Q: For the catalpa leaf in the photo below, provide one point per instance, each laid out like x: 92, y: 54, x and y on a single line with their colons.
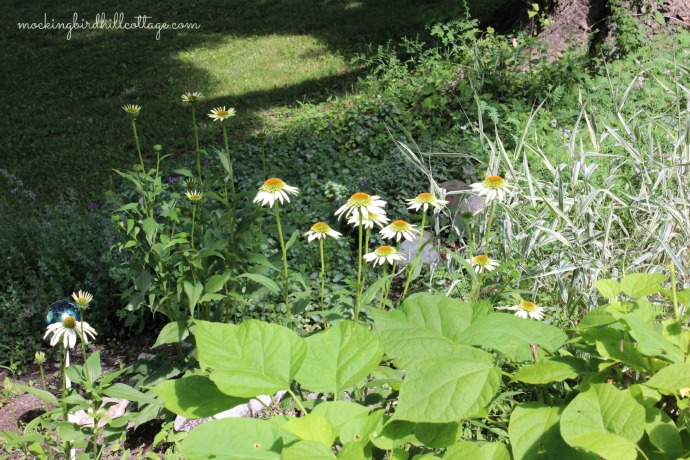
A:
x: 254, y: 358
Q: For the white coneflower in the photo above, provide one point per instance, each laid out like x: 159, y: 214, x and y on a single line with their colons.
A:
x: 383, y: 254
x: 493, y: 187
x: 273, y: 189
x: 192, y: 98
x: 482, y: 263
x: 369, y: 220
x: 364, y: 203
x: 131, y: 109
x: 194, y: 196
x: 82, y: 299
x: 526, y: 309
x: 69, y: 330
x: 424, y: 200
x: 321, y: 230
x: 397, y: 230
x: 221, y: 113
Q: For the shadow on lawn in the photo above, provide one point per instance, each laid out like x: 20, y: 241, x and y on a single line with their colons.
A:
x: 63, y: 126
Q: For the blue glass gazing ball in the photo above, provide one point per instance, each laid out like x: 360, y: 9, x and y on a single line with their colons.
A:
x: 60, y: 310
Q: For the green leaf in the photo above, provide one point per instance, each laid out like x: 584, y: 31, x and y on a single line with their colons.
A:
x: 495, y: 451
x: 395, y: 433
x: 233, y: 439
x: 639, y: 285
x: 437, y: 435
x: 40, y: 394
x: 312, y: 427
x: 254, y: 358
x: 122, y: 391
x: 70, y: 432
x: 150, y: 226
x: 194, y: 396
x: 649, y: 341
x: 513, y: 336
x: 663, y: 434
x: 341, y: 413
x: 93, y: 366
x: 263, y: 280
x: 424, y: 327
x: 671, y: 378
x: 339, y: 357
x: 360, y: 430
x: 463, y: 449
x: 216, y: 282
x: 193, y: 291
x: 534, y: 432
x: 174, y: 332
x: 608, y: 288
x: 550, y: 370
x: 604, y: 420
x: 307, y: 450
x: 442, y: 390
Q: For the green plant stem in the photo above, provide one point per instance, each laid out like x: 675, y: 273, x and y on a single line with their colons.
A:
x: 488, y: 228
x: 359, y: 269
x: 365, y: 267
x: 227, y: 152
x: 43, y: 381
x: 297, y: 401
x: 193, y: 221
x: 81, y: 333
x: 412, y: 265
x: 63, y: 388
x: 136, y: 142
x: 323, y: 282
x: 383, y: 289
x: 285, y: 266
x: 196, y: 143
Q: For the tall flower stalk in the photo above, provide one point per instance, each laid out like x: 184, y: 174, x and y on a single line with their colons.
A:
x: 360, y: 206
x: 273, y: 192
x: 319, y: 231
x: 194, y: 197
x: 221, y: 114
x: 423, y: 201
x: 192, y: 99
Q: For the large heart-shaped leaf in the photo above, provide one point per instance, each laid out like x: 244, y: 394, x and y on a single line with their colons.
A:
x: 604, y: 420
x: 442, y: 390
x: 339, y: 357
x: 534, y: 432
x: 341, y: 413
x: 671, y: 378
x: 307, y: 450
x: 233, y: 439
x: 312, y: 427
x: 549, y: 370
x: 424, y: 327
x: 195, y: 396
x: 254, y: 358
x: 513, y: 336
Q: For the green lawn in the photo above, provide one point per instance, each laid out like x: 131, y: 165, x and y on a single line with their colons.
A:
x: 63, y: 127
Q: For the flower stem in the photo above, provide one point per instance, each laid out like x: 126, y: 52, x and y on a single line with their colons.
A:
x: 81, y: 333
x: 412, y: 265
x: 297, y: 401
x: 285, y: 267
x: 227, y: 152
x: 323, y: 281
x: 43, y: 381
x: 383, y: 288
x: 193, y: 221
x: 359, y: 269
x: 63, y: 368
x: 136, y: 141
x: 488, y: 227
